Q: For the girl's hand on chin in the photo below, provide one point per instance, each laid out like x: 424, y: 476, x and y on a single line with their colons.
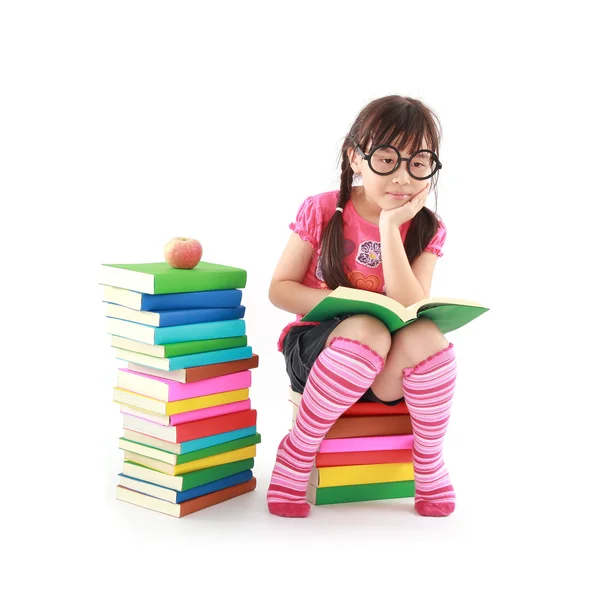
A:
x: 402, y: 214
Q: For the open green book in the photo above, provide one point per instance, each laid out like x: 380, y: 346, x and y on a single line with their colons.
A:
x: 447, y: 313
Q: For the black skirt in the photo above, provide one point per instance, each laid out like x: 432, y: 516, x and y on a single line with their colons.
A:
x: 301, y: 347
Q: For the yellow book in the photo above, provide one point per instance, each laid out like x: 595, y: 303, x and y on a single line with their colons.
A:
x: 159, y: 407
x: 189, y: 457
x: 360, y: 474
x: 203, y: 463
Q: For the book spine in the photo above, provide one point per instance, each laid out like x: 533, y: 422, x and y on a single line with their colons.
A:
x: 362, y: 493
x: 390, y: 442
x: 214, y: 426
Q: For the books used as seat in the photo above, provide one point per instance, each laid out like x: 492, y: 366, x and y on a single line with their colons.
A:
x: 447, y: 313
x: 360, y: 493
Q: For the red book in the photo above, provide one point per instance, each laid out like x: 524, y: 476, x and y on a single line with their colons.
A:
x: 376, y: 457
x: 374, y: 408
x: 193, y: 430
x: 367, y: 409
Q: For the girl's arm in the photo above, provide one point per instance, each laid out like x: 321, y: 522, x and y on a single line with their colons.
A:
x: 286, y: 290
x: 401, y: 283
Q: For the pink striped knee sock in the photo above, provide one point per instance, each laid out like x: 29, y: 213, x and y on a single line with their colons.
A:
x: 338, y: 378
x: 428, y: 390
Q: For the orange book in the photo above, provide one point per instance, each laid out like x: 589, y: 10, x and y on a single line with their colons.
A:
x: 189, y: 506
x: 375, y: 457
x: 351, y: 427
x: 371, y: 409
x: 193, y: 374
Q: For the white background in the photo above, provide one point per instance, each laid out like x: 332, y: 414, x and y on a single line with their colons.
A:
x: 123, y: 124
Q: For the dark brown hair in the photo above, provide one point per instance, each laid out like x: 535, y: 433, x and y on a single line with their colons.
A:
x: 382, y: 121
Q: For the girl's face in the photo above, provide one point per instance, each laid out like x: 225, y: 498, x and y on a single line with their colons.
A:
x: 382, y: 190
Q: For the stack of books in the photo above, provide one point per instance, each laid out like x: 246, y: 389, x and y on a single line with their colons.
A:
x: 190, y: 433
x: 366, y: 455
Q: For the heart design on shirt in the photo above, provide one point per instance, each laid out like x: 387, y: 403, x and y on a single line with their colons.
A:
x: 361, y: 281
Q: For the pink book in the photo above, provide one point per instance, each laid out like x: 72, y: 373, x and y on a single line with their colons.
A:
x: 196, y: 415
x: 368, y: 444
x: 168, y: 390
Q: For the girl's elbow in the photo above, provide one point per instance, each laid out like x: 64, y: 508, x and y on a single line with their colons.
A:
x: 273, y: 292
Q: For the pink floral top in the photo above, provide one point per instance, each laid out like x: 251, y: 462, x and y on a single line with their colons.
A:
x: 362, y: 246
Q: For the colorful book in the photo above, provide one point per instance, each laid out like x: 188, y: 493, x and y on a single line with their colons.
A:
x: 373, y: 457
x: 361, y: 474
x: 203, y: 463
x: 188, y: 507
x: 355, y: 427
x: 191, y: 431
x: 179, y: 348
x: 192, y: 445
x: 192, y: 374
x: 169, y: 391
x: 360, y: 444
x: 187, y: 417
x: 161, y: 278
x: 372, y: 409
x: 180, y: 459
x: 187, y: 361
x: 363, y: 409
x: 161, y: 407
x: 187, y: 481
x: 360, y: 493
x: 177, y: 333
x: 157, y: 491
x: 447, y: 313
x: 169, y: 318
x: 140, y: 301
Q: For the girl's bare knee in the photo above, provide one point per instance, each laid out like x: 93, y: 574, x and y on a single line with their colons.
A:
x: 417, y: 341
x: 367, y: 330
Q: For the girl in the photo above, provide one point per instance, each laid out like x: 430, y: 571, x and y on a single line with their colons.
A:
x: 377, y: 236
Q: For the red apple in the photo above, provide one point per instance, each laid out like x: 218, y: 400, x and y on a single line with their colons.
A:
x: 183, y: 253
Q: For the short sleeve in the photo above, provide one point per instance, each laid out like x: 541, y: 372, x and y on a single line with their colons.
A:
x: 308, y: 222
x: 437, y: 242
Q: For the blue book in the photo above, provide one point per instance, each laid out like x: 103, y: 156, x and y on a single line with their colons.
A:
x: 169, y: 318
x: 215, y: 440
x: 177, y: 333
x: 158, y: 491
x: 141, y: 301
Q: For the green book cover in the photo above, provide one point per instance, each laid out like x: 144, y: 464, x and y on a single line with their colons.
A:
x: 183, y: 348
x: 193, y: 479
x: 161, y: 278
x: 180, y: 459
x: 361, y: 493
x: 244, y: 442
x: 447, y: 313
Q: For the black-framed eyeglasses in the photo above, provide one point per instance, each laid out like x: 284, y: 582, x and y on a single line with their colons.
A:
x: 386, y: 159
